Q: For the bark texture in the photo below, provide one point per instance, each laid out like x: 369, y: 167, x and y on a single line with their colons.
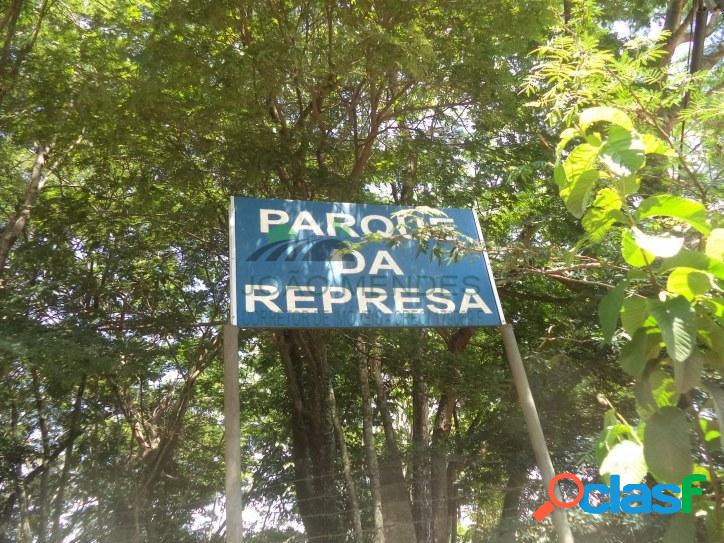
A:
x: 313, y: 435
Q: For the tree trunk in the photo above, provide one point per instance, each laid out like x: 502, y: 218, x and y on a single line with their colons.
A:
x: 17, y: 221
x: 369, y: 443
x: 313, y: 439
x: 453, y: 502
x: 567, y: 10
x: 508, y: 522
x: 74, y: 428
x: 43, y: 499
x: 347, y: 470
x: 397, y: 509
x: 697, y: 48
x: 421, y: 510
x: 439, y: 476
x: 439, y: 468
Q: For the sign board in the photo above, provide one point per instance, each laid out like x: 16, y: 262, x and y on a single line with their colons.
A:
x: 297, y: 264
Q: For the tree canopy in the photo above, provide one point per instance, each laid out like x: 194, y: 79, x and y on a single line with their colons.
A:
x: 586, y: 134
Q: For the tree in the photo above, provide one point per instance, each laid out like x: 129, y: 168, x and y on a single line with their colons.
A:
x: 127, y: 125
x: 612, y: 179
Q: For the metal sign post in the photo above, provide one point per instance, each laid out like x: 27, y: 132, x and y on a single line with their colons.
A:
x: 535, y: 430
x: 232, y: 431
x: 527, y: 405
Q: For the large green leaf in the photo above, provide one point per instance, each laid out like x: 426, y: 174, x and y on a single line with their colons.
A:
x: 577, y: 194
x: 654, y: 390
x: 689, y: 211
x: 715, y: 245
x: 713, y: 335
x: 582, y: 159
x: 612, y: 115
x: 644, y: 346
x: 687, y: 374
x: 598, y: 223
x: 632, y: 253
x: 577, y: 178
x: 634, y: 311
x: 609, y: 308
x: 663, y: 389
x: 603, y: 214
x: 689, y: 282
x: 559, y: 176
x: 693, y: 259
x: 626, y: 459
x: 623, y: 151
x: 656, y: 146
x: 675, y: 319
x: 667, y: 446
x: 715, y: 305
x: 627, y: 185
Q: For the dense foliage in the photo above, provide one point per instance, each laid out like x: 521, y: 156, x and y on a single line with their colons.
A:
x: 126, y: 125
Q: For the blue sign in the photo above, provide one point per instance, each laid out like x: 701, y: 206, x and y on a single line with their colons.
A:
x: 297, y: 264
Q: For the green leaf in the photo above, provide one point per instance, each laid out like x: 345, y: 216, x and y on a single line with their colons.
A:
x: 598, y: 223
x: 610, y: 419
x: 644, y: 346
x: 577, y: 178
x: 559, y: 176
x: 603, y: 214
x: 627, y: 185
x: 594, y: 138
x: 623, y: 152
x: 687, y: 374
x: 581, y: 160
x: 610, y: 436
x: 653, y: 390
x: 682, y: 529
x: 663, y: 246
x: 710, y: 428
x: 577, y: 194
x: 608, y: 199
x: 626, y: 459
x: 613, y: 432
x: 713, y: 335
x: 656, y: 146
x: 716, y: 393
x: 632, y: 253
x: 693, y: 259
x: 633, y: 313
x: 675, y: 319
x: 667, y: 446
x: 689, y: 282
x: 715, y: 245
x: 594, y: 115
x: 716, y: 306
x: 663, y: 389
x: 689, y: 211
x: 609, y: 308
